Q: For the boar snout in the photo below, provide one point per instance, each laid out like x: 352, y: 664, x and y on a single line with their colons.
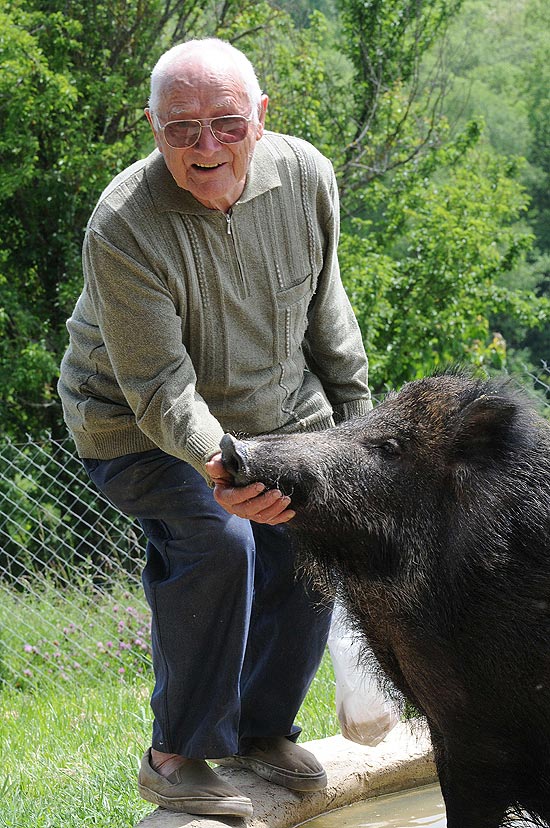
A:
x: 234, y: 455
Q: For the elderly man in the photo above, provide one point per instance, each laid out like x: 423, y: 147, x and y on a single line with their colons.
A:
x: 212, y: 302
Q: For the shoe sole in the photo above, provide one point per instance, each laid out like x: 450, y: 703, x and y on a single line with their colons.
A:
x: 240, y: 807
x: 279, y: 776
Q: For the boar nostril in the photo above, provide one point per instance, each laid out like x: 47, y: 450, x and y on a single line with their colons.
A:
x: 233, y: 455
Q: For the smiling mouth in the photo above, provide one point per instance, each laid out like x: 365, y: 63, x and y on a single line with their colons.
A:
x: 207, y: 166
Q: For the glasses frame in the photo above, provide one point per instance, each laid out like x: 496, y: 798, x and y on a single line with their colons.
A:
x: 203, y: 123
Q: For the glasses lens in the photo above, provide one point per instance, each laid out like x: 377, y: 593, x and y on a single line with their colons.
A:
x: 181, y: 133
x: 230, y: 129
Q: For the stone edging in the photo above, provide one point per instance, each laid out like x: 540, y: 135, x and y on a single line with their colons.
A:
x: 402, y: 760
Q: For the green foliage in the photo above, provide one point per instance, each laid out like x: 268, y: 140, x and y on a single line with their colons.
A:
x: 30, y: 90
x: 537, y: 87
x: 423, y: 277
x: 395, y: 118
x: 497, y: 68
x: 484, y: 59
x: 25, y: 74
x: 431, y: 230
x: 309, y: 82
x: 302, y: 70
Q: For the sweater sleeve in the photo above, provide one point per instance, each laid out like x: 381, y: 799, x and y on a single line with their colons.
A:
x: 333, y: 345
x: 142, y: 336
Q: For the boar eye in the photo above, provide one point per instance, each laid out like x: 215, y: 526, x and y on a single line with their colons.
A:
x: 390, y: 448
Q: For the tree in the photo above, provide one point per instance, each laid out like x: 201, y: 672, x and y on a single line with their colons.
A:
x: 497, y: 70
x: 30, y: 93
x: 395, y: 113
x: 424, y: 280
x: 537, y: 88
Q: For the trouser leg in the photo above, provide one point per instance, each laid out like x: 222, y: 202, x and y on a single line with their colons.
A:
x: 199, y: 584
x: 200, y: 608
x: 287, y: 638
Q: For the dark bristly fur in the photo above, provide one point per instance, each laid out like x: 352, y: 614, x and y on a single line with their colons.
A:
x: 432, y: 516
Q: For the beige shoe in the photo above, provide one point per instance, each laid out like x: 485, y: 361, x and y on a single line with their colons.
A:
x: 283, y: 762
x: 194, y: 788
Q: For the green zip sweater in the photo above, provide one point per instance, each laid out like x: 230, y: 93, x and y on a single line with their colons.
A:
x: 193, y: 322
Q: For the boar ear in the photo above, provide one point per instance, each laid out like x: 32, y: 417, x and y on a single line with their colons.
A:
x: 483, y: 428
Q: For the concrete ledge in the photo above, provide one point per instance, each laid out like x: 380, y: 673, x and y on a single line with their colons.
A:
x: 402, y: 760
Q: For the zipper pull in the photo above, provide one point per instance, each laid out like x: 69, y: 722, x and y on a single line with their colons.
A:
x: 228, y: 220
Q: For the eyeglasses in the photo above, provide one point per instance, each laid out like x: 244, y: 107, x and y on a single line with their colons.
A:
x: 227, y: 129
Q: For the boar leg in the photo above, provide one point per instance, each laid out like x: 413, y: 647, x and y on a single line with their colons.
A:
x: 469, y: 800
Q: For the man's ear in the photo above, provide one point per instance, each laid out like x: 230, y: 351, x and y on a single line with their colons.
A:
x: 264, y: 100
x: 152, y: 125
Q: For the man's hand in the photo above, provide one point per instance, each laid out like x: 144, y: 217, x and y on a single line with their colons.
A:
x: 251, y: 502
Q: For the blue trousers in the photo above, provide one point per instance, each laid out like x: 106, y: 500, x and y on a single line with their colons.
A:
x: 237, y: 636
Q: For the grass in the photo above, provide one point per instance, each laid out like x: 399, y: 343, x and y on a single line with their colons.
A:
x: 70, y: 758
x: 56, y: 636
x: 71, y: 739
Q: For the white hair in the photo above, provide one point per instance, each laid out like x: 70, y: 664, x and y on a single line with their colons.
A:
x: 180, y: 53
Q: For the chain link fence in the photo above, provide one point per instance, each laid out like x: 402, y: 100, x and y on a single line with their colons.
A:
x: 71, y: 603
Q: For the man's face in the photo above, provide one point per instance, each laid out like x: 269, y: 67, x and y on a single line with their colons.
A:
x: 214, y: 173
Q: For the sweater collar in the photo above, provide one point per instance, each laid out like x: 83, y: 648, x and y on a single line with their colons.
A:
x: 167, y: 196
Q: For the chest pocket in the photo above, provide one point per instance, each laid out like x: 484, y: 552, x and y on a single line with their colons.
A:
x: 292, y: 305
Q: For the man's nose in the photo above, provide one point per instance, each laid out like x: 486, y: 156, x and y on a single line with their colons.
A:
x: 207, y: 142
